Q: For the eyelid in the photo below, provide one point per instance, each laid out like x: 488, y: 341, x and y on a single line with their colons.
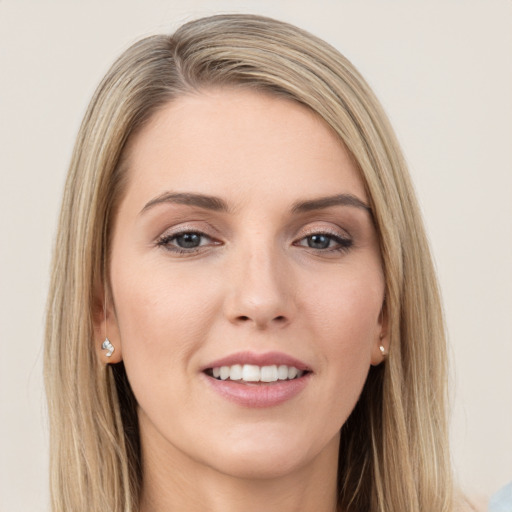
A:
x: 340, y: 237
x: 198, y: 226
x: 167, y: 238
x: 325, y: 230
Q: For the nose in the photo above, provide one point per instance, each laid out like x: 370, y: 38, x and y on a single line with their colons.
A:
x: 260, y: 290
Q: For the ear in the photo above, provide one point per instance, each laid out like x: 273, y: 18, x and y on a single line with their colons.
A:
x: 380, y: 348
x: 106, y: 328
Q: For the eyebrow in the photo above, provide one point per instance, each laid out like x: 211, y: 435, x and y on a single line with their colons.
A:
x: 327, y: 202
x: 202, y: 201
x: 219, y: 205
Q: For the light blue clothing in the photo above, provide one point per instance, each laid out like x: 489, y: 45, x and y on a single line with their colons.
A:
x: 502, y: 500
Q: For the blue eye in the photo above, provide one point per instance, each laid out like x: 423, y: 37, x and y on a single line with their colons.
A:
x: 319, y: 241
x: 187, y: 241
x: 325, y: 242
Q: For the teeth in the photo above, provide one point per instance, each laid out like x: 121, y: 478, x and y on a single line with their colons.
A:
x: 253, y: 373
x: 235, y: 372
x: 268, y: 374
x: 282, y: 372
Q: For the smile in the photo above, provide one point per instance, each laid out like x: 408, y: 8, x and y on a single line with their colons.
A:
x: 255, y: 373
x: 254, y: 380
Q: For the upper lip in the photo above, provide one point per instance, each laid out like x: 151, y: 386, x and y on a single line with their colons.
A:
x: 263, y: 359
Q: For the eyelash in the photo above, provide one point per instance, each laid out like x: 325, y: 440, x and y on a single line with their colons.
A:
x: 343, y: 244
x: 165, y: 241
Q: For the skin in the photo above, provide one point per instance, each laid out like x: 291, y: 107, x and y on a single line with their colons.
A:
x: 254, y: 284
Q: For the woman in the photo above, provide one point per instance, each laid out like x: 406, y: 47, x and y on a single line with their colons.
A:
x: 243, y: 311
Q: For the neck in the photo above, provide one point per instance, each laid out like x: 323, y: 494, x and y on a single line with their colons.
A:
x: 173, y: 481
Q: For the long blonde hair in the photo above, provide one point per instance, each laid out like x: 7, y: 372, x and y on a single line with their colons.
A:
x: 393, y: 453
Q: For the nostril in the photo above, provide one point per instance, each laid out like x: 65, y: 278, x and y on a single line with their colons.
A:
x: 261, y: 322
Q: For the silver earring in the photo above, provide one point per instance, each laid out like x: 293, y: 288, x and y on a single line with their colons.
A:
x: 106, y: 345
x: 383, y: 351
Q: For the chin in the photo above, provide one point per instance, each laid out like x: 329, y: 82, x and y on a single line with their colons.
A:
x: 268, y: 456
x: 260, y: 465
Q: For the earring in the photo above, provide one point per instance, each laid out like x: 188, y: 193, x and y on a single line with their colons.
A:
x: 383, y: 351
x: 106, y: 345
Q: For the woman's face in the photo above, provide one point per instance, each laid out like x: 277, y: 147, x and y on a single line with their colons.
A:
x: 247, y: 284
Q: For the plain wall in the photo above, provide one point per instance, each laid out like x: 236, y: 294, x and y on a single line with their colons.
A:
x: 442, y: 69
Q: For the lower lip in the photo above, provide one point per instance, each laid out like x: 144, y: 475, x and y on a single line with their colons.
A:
x: 258, y: 395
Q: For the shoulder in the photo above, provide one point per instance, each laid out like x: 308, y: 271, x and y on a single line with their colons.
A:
x: 502, y: 500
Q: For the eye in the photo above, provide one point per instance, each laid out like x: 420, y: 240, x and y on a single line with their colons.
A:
x: 185, y: 241
x: 319, y: 241
x: 189, y: 240
x: 325, y: 242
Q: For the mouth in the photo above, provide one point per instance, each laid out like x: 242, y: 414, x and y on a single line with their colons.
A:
x: 254, y: 380
x: 251, y: 373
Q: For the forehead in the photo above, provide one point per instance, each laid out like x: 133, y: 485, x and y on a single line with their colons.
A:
x: 239, y: 144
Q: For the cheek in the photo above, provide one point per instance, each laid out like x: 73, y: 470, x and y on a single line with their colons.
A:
x: 163, y: 317
x: 345, y: 319
x: 348, y: 305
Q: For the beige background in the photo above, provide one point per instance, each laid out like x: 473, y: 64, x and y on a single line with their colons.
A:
x: 443, y: 70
